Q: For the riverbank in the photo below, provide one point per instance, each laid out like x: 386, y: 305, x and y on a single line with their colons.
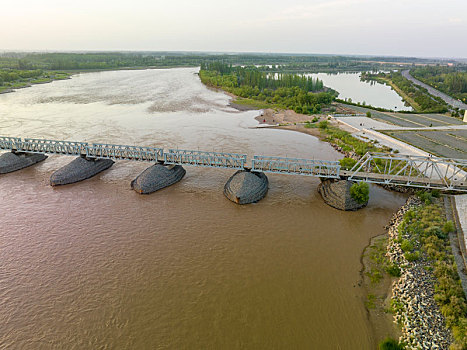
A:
x: 427, y: 300
x: 25, y: 83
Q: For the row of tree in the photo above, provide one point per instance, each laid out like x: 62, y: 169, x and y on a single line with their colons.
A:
x: 450, y: 80
x: 253, y: 76
x: 291, y: 91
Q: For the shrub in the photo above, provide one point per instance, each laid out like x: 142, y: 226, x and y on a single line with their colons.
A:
x: 448, y: 227
x: 360, y: 192
x: 390, y: 344
x: 425, y: 196
x: 412, y: 256
x: 314, y: 120
x: 347, y: 163
x: 393, y: 270
x: 323, y: 124
x: 406, y: 246
x: 368, y: 114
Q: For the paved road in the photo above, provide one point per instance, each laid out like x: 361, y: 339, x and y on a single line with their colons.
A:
x: 448, y: 99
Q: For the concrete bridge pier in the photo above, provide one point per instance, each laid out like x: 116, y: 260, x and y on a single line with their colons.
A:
x: 13, y: 161
x: 245, y: 187
x: 79, y: 169
x: 336, y: 193
x: 156, y: 177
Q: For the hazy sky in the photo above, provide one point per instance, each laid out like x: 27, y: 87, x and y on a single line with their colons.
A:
x: 380, y: 27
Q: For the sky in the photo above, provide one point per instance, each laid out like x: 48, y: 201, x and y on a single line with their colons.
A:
x: 421, y: 28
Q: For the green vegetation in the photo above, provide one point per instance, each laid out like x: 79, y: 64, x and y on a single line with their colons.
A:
x: 418, y: 97
x: 360, y: 191
x: 450, y: 80
x: 12, y: 78
x: 347, y: 163
x: 371, y: 301
x: 289, y: 91
x: 267, y: 62
x: 390, y: 344
x: 429, y: 230
x: 347, y: 142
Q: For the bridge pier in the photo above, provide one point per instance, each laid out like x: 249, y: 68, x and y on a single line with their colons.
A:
x: 245, y: 187
x: 156, y: 177
x: 13, y: 161
x: 79, y: 169
x: 336, y: 193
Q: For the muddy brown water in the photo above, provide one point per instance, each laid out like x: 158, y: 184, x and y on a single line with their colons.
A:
x: 95, y: 265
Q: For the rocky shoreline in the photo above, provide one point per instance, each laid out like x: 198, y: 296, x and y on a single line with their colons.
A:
x: 415, y: 310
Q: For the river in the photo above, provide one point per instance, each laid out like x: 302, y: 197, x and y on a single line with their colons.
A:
x: 95, y: 265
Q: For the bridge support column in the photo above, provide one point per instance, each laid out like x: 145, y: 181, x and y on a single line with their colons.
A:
x: 12, y: 161
x: 336, y: 193
x: 78, y: 170
x: 157, y: 177
x: 245, y: 187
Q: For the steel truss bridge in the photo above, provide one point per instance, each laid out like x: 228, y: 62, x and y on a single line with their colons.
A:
x: 379, y: 168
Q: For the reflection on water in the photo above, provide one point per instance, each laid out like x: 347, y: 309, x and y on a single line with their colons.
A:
x: 95, y: 265
x: 349, y: 85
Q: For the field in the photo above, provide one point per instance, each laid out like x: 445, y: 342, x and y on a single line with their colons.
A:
x: 442, y: 143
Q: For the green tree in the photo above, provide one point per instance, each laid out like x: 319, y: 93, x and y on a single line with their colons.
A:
x: 390, y: 344
x: 360, y: 192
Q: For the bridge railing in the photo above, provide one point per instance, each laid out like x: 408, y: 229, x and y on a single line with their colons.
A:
x: 298, y: 166
x: 52, y: 146
x: 205, y: 159
x: 413, y: 171
x: 108, y: 151
x: 9, y: 143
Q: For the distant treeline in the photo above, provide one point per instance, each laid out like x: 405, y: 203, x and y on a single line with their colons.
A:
x: 291, y: 91
x: 450, y: 80
x: 277, y: 62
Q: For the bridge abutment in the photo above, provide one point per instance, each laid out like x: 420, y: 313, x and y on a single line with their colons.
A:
x: 336, y: 193
x: 157, y: 177
x: 13, y: 161
x: 245, y: 187
x: 79, y: 169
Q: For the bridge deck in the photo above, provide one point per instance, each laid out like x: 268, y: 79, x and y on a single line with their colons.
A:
x: 380, y: 168
x: 297, y: 166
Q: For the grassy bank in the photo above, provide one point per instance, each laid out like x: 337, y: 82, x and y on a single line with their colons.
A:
x: 418, y: 97
x: 344, y: 139
x: 401, y: 93
x: 420, y: 245
x: 16, y: 79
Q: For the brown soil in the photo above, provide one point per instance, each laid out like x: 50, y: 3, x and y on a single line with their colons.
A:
x: 378, y: 295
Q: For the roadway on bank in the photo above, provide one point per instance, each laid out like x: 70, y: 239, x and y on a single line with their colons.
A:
x: 448, y: 99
